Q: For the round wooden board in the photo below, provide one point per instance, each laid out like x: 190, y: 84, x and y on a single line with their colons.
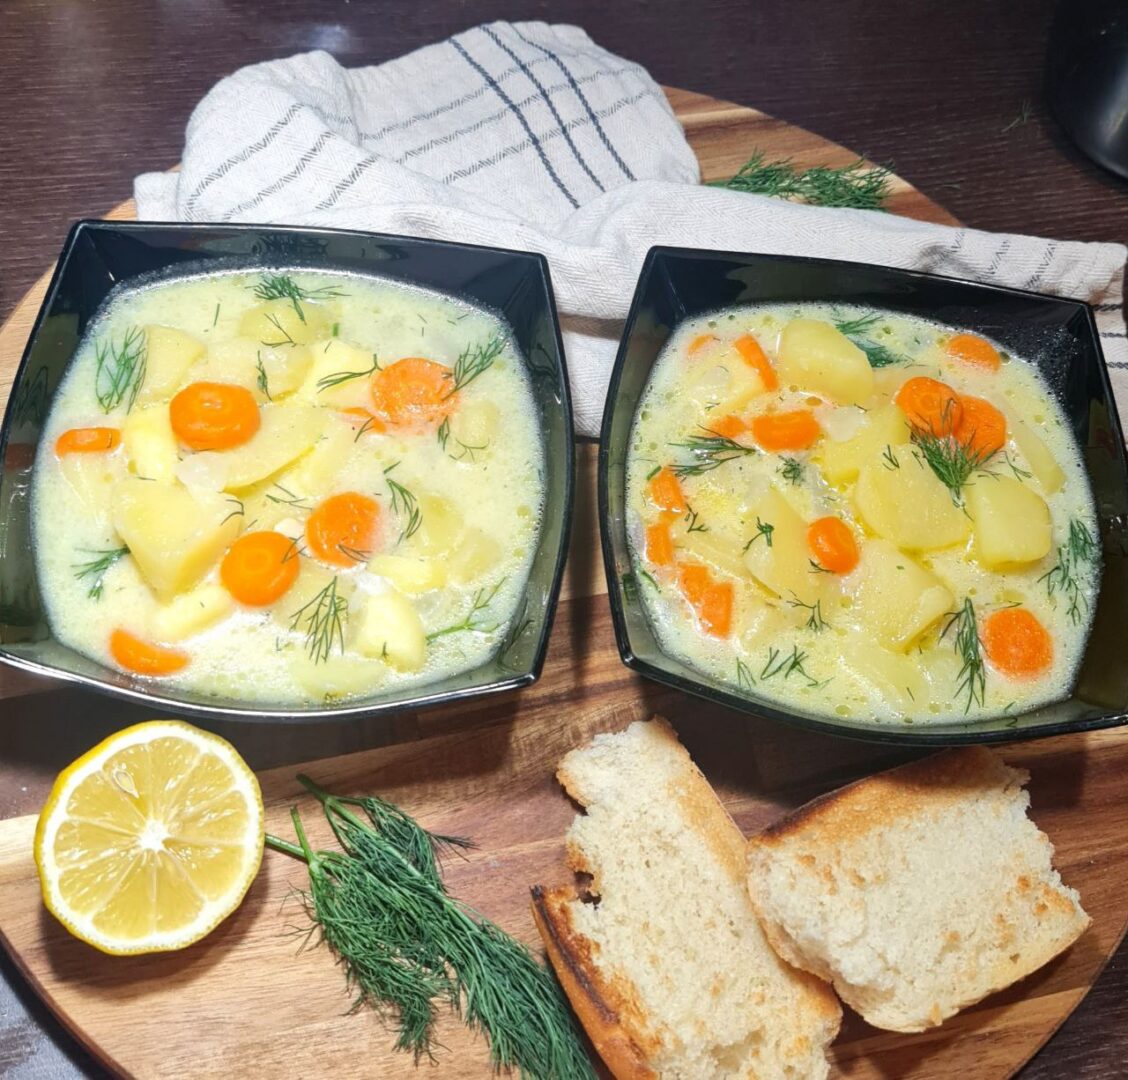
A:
x: 247, y: 1002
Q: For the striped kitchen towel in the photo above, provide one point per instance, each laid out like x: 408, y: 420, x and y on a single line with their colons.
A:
x: 530, y: 136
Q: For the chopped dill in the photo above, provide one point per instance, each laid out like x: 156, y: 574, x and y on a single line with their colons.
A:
x: 889, y: 459
x: 951, y: 461
x: 791, y: 470
x: 120, y: 370
x: 816, y: 569
x: 97, y: 568
x: 465, y: 450
x: 764, y: 529
x: 857, y: 185
x: 472, y: 622
x: 287, y: 497
x: 861, y: 325
x: 691, y: 519
x: 650, y: 580
x: 744, y: 678
x: 324, y: 617
x: 286, y: 339
x: 284, y: 287
x: 263, y: 381
x: 1064, y: 577
x: 708, y: 452
x: 815, y: 620
x: 789, y: 665
x: 404, y: 503
x: 973, y: 673
x: 338, y: 377
x: 239, y: 511
x: 215, y: 317
x: 654, y: 472
x: 474, y: 360
x: 856, y: 330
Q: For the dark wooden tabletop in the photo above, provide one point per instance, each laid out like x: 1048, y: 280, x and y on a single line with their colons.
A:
x: 949, y: 94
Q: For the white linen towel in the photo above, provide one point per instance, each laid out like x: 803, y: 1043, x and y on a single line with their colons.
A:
x: 530, y: 136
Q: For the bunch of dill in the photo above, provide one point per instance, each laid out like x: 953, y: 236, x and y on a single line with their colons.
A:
x: 858, y: 185
x: 409, y: 948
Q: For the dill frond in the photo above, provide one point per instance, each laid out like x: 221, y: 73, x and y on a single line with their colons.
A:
x: 324, y: 617
x: 815, y: 620
x: 791, y: 470
x: 96, y: 569
x: 120, y: 370
x: 764, y: 529
x: 744, y: 678
x: 789, y: 665
x: 466, y: 450
x: 952, y: 462
x: 287, y: 498
x: 284, y: 287
x: 473, y: 622
x: 474, y: 360
x: 1064, y: 576
x: 286, y: 338
x: 857, y: 330
x: 857, y: 185
x: 708, y: 452
x: 338, y: 377
x: 263, y: 381
x: 404, y: 503
x: 973, y: 672
x: 692, y: 522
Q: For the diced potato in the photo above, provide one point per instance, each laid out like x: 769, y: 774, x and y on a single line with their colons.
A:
x: 390, y: 628
x: 716, y: 549
x: 476, y: 553
x: 840, y: 462
x: 409, y: 573
x: 1038, y: 457
x: 895, y: 598
x: 722, y: 382
x: 908, y: 504
x: 759, y: 623
x: 286, y: 432
x: 316, y: 472
x: 1012, y: 522
x: 174, y: 535
x: 313, y: 578
x: 279, y: 322
x: 335, y: 357
x: 898, y: 678
x: 815, y: 356
x: 150, y: 445
x: 234, y: 362
x: 472, y: 429
x: 91, y: 477
x: 190, y: 612
x: 784, y: 565
x: 169, y: 354
x: 336, y: 676
x: 441, y: 527
x: 283, y: 370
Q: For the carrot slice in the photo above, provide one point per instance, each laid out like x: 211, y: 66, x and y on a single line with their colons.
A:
x: 974, y: 350
x: 832, y: 544
x: 213, y: 416
x: 930, y: 406
x: 757, y: 359
x: 87, y: 440
x: 728, y: 427
x: 796, y: 430
x: 659, y: 545
x: 981, y: 428
x: 413, y: 391
x: 342, y: 529
x: 1016, y: 643
x: 694, y: 580
x: 666, y: 491
x: 143, y: 657
x: 259, y: 567
x: 712, y: 600
x: 362, y: 418
x: 699, y: 343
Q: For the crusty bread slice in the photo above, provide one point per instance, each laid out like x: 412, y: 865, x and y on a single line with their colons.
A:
x: 669, y: 971
x: 917, y: 891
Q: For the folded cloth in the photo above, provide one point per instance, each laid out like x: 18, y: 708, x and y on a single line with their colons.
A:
x: 530, y: 136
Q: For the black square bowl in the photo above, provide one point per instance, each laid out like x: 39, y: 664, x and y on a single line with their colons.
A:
x: 99, y: 255
x: 1059, y: 336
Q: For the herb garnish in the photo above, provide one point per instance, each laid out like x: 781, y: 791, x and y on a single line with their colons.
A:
x: 791, y: 470
x: 405, y: 503
x: 408, y: 946
x: 472, y: 623
x: 97, y: 568
x: 858, y: 185
x: 691, y: 519
x: 792, y: 664
x: 474, y: 361
x: 708, y: 452
x: 815, y: 621
x: 889, y: 459
x: 339, y: 377
x: 973, y: 673
x: 444, y: 436
x: 282, y: 286
x: 287, y: 498
x: 324, y: 617
x: 744, y: 678
x: 764, y: 529
x: 856, y: 330
x: 952, y: 462
x: 120, y: 370
x: 263, y: 381
x: 1063, y: 577
x: 286, y: 338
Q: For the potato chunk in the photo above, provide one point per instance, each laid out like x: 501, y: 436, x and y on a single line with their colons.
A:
x: 390, y: 628
x: 174, y: 535
x: 331, y: 359
x: 472, y: 429
x: 150, y: 445
x: 285, y: 433
x: 441, y: 527
x: 190, y: 613
x: 410, y: 574
x: 282, y: 370
x: 841, y: 462
x: 815, y: 356
x: 1042, y: 464
x: 896, y: 677
x: 233, y: 362
x: 779, y: 558
x: 908, y: 504
x: 896, y: 599
x: 1012, y: 523
x: 476, y: 554
x: 169, y: 354
x: 279, y: 322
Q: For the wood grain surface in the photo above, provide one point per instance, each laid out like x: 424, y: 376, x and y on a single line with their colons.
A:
x: 950, y: 94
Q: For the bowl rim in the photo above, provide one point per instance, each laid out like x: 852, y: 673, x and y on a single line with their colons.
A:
x: 908, y: 734
x: 249, y: 713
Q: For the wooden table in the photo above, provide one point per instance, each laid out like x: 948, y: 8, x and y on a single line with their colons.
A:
x: 951, y: 96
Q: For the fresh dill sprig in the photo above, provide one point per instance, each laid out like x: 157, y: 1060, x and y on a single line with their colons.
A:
x: 324, y: 617
x: 816, y: 569
x: 708, y: 452
x: 952, y: 461
x: 815, y: 620
x: 339, y: 377
x: 764, y: 529
x: 408, y: 946
x: 120, y: 370
x: 692, y: 521
x: 1064, y: 577
x: 404, y: 503
x: 472, y: 622
x: 96, y: 569
x: 789, y: 665
x: 744, y: 677
x: 889, y: 459
x: 287, y: 497
x: 973, y: 672
x: 284, y: 287
x: 263, y: 380
x: 791, y: 470
x: 286, y: 339
x: 466, y: 450
x: 239, y: 510
x: 857, y: 331
x: 860, y: 325
x: 858, y: 185
x: 474, y: 360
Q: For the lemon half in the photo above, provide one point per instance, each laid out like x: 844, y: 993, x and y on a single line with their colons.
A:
x: 151, y: 839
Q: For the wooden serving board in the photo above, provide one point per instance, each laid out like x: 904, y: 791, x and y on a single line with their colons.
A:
x: 249, y: 1002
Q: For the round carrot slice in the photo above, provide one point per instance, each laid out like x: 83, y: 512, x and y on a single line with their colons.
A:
x: 728, y: 427
x: 413, y: 391
x: 930, y: 406
x: 1016, y: 643
x: 757, y: 359
x: 666, y: 491
x: 362, y: 420
x: 981, y: 427
x: 796, y: 430
x: 213, y: 416
x: 342, y: 529
x: 259, y: 567
x: 699, y: 343
x: 832, y: 545
x: 974, y: 350
x: 143, y: 657
x: 87, y: 440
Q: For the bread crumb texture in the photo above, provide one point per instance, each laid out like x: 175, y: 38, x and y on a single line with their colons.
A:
x: 672, y: 957
x: 917, y: 891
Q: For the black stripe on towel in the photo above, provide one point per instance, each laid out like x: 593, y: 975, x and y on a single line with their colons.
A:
x: 520, y: 116
x: 1107, y: 307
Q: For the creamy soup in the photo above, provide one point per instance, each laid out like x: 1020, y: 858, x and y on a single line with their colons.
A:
x: 288, y: 487
x: 861, y: 514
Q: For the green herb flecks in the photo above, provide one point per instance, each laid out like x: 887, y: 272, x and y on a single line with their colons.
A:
x: 693, y: 523
x: 952, y: 462
x: 285, y: 339
x: 973, y: 671
x: 96, y: 569
x: 763, y: 529
x: 120, y: 370
x: 791, y: 664
x: 862, y: 324
x: 815, y: 620
x: 889, y: 459
x: 338, y: 377
x: 404, y: 503
x: 1079, y: 551
x: 411, y: 949
x: 791, y: 470
x: 858, y: 185
x: 708, y: 452
x: 473, y: 622
x: 466, y: 451
x: 474, y: 360
x: 744, y: 678
x: 263, y: 380
x: 281, y: 494
x: 857, y: 330
x: 322, y: 620
x: 284, y: 287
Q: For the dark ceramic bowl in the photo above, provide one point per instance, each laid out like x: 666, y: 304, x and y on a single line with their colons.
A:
x: 99, y: 255
x: 1058, y: 335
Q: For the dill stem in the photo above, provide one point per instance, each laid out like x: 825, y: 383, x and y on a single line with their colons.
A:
x: 285, y: 847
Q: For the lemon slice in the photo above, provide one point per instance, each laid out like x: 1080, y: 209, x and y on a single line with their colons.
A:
x: 151, y: 839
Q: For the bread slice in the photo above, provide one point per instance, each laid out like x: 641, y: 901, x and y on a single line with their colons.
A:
x: 917, y: 891
x: 669, y: 970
